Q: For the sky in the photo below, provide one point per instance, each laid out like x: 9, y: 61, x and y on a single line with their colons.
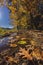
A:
x: 4, y: 17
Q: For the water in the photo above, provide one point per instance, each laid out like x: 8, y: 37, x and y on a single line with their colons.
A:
x: 4, y: 41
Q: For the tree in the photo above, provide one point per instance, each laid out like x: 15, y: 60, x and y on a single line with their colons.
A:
x: 21, y: 11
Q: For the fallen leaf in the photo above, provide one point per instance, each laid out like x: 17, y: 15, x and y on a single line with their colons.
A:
x: 25, y: 54
x: 11, y: 59
x: 22, y: 42
x: 13, y: 45
x: 23, y: 38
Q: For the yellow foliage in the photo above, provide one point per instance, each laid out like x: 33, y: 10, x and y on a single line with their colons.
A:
x: 20, y: 11
x: 22, y: 42
x: 12, y: 9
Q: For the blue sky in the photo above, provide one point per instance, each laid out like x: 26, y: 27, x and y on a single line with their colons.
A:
x: 4, y: 17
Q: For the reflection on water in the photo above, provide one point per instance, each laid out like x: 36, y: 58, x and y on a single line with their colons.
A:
x: 4, y: 41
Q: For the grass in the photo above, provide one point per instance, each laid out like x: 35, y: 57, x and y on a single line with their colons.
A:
x: 3, y: 31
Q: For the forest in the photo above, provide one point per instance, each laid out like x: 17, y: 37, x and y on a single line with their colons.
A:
x: 23, y: 43
x: 27, y: 14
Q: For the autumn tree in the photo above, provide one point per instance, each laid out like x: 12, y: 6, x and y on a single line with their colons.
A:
x: 25, y: 13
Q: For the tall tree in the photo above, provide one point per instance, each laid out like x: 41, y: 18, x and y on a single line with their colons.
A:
x: 24, y: 13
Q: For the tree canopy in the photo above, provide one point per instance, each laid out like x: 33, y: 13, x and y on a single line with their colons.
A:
x: 26, y: 14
